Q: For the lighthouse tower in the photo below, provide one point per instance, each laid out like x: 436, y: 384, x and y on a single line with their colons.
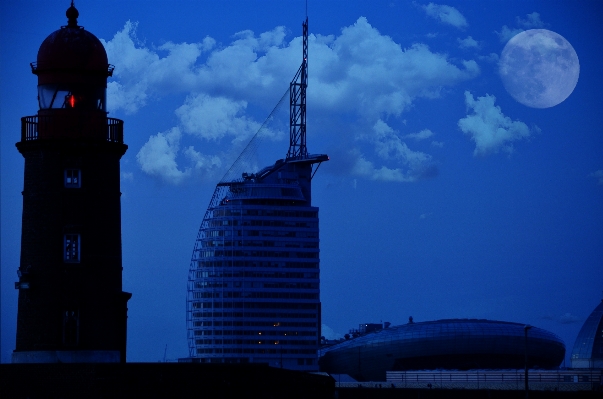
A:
x: 71, y: 304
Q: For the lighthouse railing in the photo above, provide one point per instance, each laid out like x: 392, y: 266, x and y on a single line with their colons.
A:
x: 66, y: 127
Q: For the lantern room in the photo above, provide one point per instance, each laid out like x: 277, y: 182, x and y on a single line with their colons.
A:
x: 72, y: 70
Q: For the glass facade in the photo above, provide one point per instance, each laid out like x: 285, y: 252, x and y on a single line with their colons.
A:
x: 588, y: 348
x: 461, y: 344
x: 253, y: 294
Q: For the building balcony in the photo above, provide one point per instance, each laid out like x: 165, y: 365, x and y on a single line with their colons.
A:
x: 252, y: 190
x: 70, y: 125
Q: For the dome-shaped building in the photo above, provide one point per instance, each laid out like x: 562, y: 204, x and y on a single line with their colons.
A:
x: 588, y: 348
x: 455, y: 344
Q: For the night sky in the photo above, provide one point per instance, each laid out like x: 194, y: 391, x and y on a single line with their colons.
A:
x: 444, y: 197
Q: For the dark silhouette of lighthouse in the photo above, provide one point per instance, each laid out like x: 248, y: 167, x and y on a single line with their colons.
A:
x: 71, y: 304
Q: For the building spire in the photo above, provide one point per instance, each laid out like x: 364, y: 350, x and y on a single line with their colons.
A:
x: 297, y: 105
x: 72, y: 14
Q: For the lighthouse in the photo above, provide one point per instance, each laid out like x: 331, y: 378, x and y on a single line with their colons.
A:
x: 71, y: 305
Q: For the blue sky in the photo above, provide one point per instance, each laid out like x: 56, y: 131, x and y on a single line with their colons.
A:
x: 424, y: 210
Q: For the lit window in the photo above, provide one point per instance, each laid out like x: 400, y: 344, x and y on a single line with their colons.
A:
x: 72, y: 178
x: 72, y: 247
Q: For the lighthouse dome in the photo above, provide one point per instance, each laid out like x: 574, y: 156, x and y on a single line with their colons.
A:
x: 72, y: 48
x: 72, y: 68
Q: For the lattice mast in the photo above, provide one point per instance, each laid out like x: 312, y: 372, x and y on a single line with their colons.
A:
x: 297, y: 104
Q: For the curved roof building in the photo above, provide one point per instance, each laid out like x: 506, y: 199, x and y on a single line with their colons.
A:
x: 253, y: 288
x: 588, y: 348
x: 460, y: 344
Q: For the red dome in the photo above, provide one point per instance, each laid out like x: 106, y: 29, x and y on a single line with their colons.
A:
x: 72, y: 48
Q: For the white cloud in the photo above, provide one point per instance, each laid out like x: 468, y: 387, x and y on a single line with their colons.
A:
x: 389, y: 146
x: 406, y: 165
x: 492, y: 57
x: 489, y: 128
x: 468, y: 42
x: 360, y: 64
x: 130, y: 99
x: 471, y: 67
x: 438, y: 144
x: 599, y: 176
x: 532, y: 21
x: 507, y: 33
x: 157, y: 157
x: 422, y: 135
x: 365, y: 71
x: 140, y: 71
x: 128, y: 92
x: 212, y: 118
x: 206, y: 164
x: 359, y: 71
x: 252, y: 68
x: 446, y: 14
x: 367, y: 169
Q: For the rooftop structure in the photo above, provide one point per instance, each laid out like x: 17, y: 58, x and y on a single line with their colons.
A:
x: 457, y: 344
x: 588, y: 348
x: 253, y: 286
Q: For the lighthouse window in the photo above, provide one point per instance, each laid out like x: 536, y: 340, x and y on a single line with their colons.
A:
x: 72, y: 247
x: 48, y: 94
x: 72, y: 178
x: 71, y: 96
x: 70, y: 327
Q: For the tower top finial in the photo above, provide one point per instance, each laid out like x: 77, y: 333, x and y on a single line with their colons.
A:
x: 72, y: 14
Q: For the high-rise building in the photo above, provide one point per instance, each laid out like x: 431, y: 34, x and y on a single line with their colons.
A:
x: 253, y: 287
x: 71, y: 306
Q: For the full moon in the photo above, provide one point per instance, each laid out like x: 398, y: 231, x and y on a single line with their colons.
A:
x: 539, y: 68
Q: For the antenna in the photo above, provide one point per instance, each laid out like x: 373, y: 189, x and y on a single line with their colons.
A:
x: 297, y: 104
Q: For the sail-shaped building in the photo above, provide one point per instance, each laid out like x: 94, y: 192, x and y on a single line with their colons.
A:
x: 253, y: 285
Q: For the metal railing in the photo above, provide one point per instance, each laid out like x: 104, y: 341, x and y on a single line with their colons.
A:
x: 264, y: 190
x: 65, y: 126
x: 498, y: 379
